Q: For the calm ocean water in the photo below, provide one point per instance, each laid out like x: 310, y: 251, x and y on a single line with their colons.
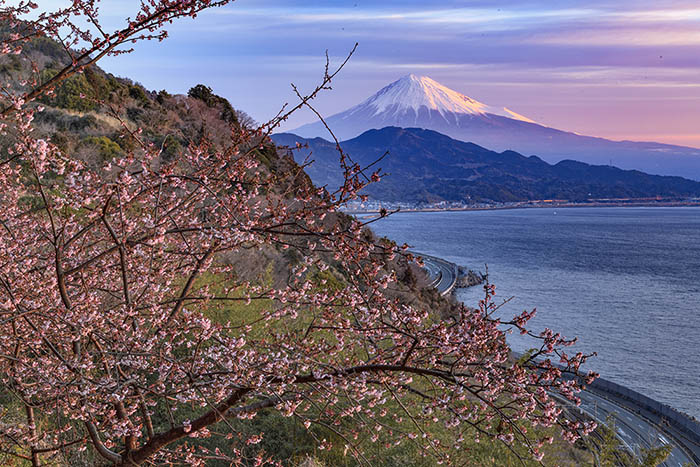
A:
x: 625, y: 281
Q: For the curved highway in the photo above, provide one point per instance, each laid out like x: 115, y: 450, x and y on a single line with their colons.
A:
x: 442, y: 274
x: 634, y: 432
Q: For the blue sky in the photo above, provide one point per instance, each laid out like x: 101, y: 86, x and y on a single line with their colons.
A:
x: 628, y: 69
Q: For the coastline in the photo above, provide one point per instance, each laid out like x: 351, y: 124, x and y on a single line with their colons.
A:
x: 530, y: 205
x: 603, y: 259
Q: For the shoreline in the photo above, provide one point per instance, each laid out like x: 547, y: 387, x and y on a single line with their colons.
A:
x: 670, y: 204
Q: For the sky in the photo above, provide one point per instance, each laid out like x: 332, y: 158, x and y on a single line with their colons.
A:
x: 628, y: 69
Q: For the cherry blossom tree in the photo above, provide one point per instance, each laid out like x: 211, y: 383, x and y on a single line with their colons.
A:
x: 111, y: 275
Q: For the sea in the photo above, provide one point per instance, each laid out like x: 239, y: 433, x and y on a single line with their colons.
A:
x: 624, y: 280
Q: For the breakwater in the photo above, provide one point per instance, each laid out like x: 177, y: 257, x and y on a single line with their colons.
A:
x: 467, y: 278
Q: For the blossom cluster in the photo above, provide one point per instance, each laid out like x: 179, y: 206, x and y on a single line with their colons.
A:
x: 113, y: 276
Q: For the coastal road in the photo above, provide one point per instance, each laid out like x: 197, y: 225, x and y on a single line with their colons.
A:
x: 633, y: 431
x: 442, y: 274
x: 433, y: 271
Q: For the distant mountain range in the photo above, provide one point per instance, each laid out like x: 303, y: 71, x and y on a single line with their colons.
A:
x: 420, y: 102
x: 426, y: 166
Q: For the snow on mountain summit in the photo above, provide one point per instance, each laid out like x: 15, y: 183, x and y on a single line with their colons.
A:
x: 420, y: 102
x: 414, y: 92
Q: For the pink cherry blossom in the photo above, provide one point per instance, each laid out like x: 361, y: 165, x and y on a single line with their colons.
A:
x: 116, y: 281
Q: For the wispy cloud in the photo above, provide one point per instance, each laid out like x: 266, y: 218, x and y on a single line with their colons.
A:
x: 609, y: 68
x: 616, y: 36
x: 460, y: 16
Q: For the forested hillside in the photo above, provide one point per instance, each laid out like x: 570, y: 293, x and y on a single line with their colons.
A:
x: 426, y: 166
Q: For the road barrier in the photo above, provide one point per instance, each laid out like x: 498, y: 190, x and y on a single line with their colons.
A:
x: 662, y: 415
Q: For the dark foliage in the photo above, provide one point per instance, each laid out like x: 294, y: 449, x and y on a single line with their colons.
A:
x: 426, y: 166
x: 206, y: 95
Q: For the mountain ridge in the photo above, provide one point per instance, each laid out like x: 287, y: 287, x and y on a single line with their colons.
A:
x: 497, y: 128
x: 426, y: 166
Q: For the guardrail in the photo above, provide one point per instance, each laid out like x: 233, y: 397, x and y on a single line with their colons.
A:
x: 669, y: 420
x: 665, y: 413
x: 437, y: 280
x: 679, y: 426
x: 455, y: 275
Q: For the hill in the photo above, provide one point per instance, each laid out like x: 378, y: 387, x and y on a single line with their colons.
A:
x: 426, y: 166
x: 420, y: 102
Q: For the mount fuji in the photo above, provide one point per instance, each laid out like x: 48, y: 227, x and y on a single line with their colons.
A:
x: 420, y: 102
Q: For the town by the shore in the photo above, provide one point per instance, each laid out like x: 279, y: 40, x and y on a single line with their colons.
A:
x: 378, y: 207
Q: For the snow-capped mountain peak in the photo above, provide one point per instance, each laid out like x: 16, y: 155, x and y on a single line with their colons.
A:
x: 420, y: 102
x: 413, y: 92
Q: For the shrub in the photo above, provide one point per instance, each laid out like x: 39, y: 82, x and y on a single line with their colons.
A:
x: 73, y: 93
x: 162, y: 96
x: 105, y: 147
x: 206, y: 95
x: 171, y: 147
x: 137, y: 92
